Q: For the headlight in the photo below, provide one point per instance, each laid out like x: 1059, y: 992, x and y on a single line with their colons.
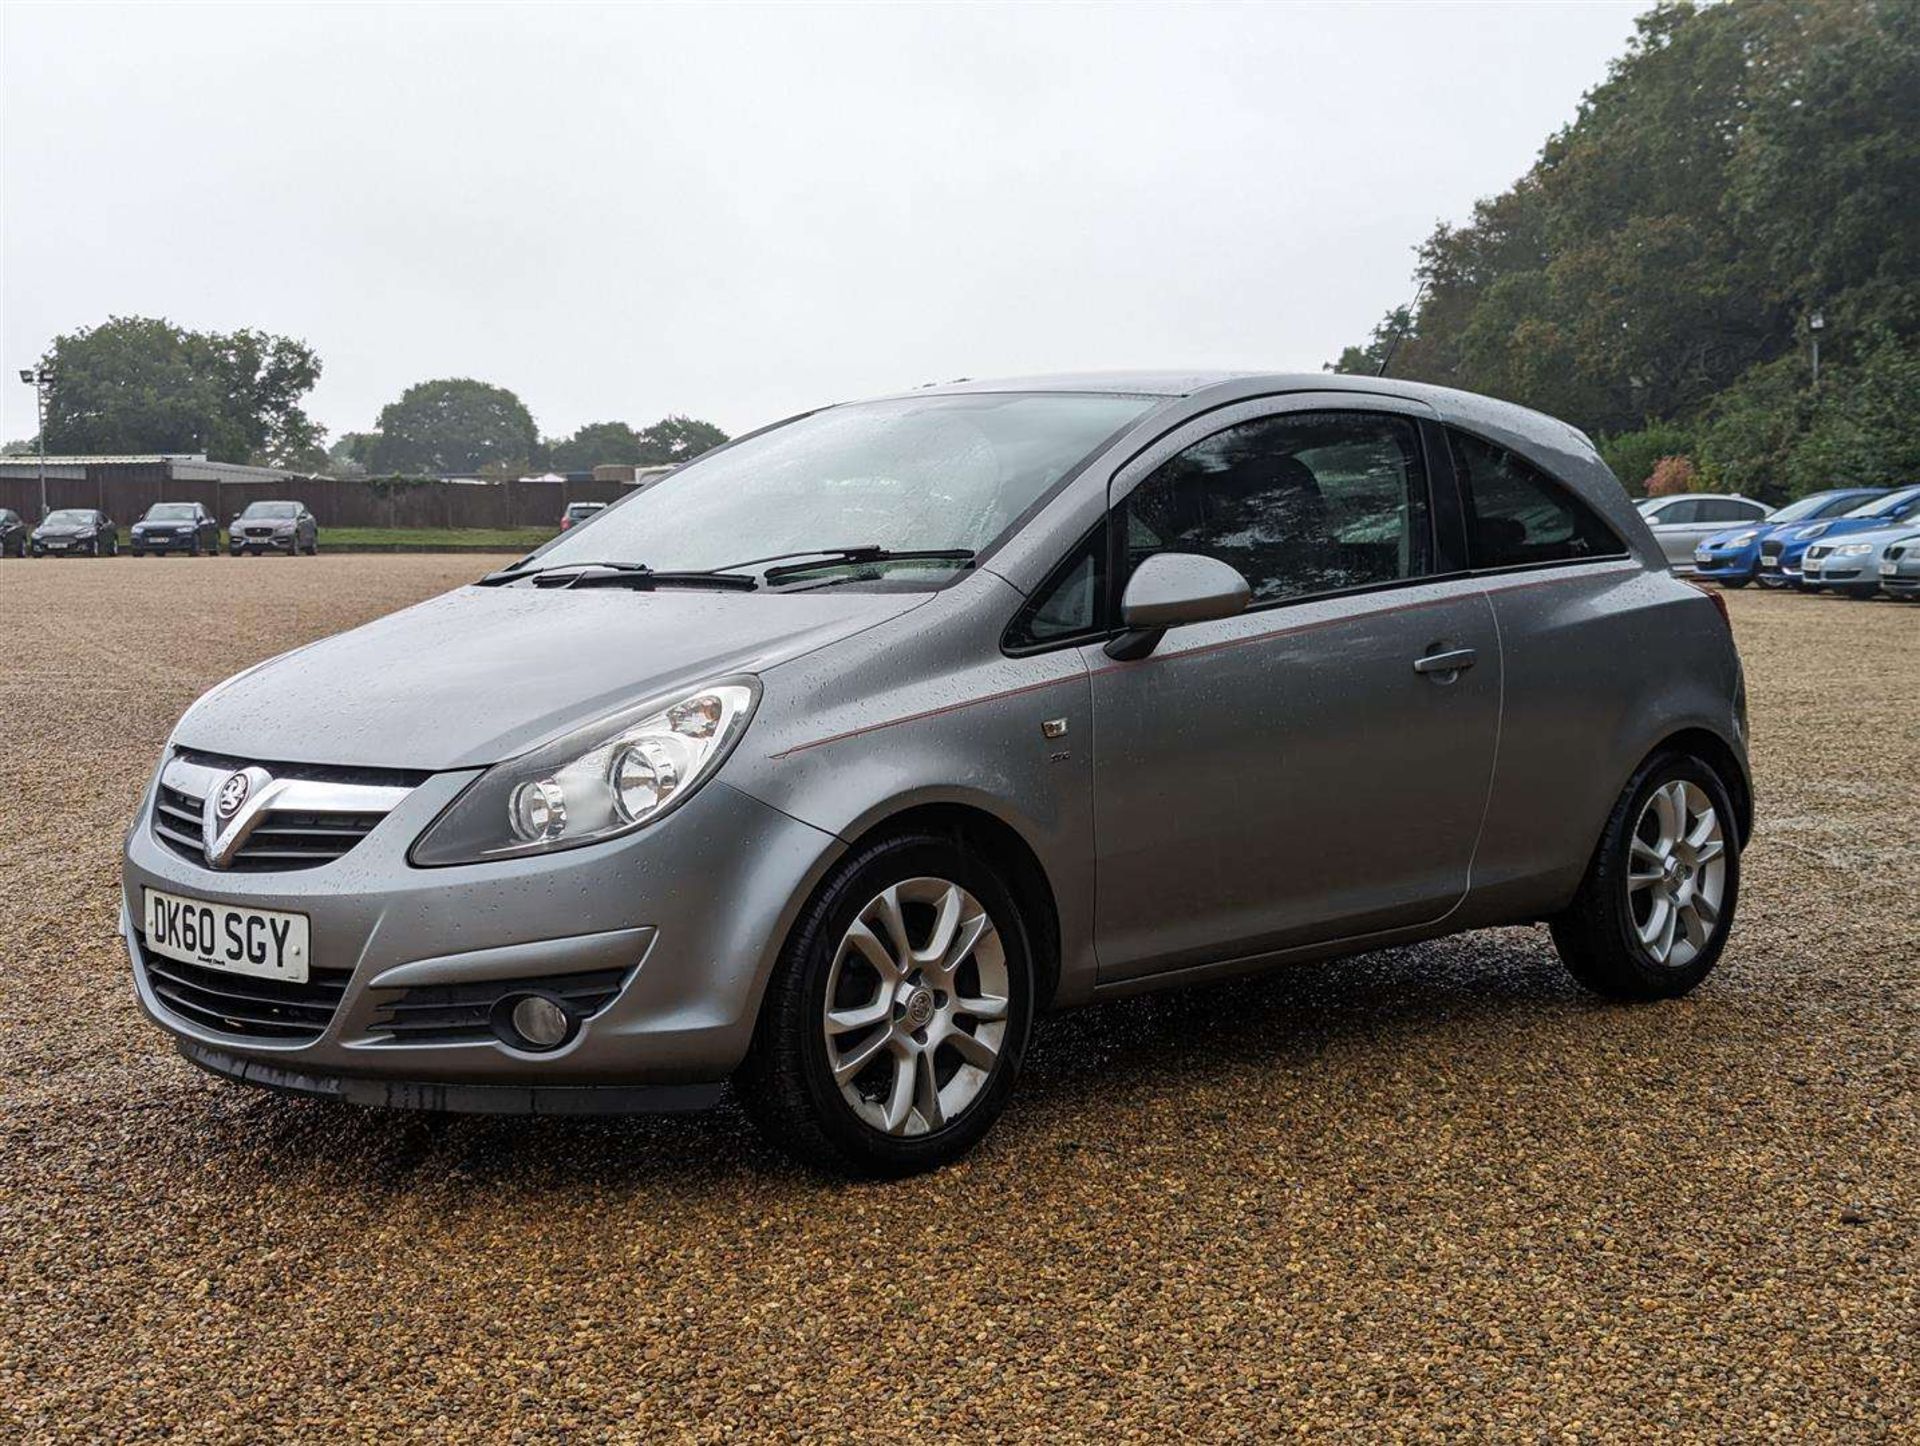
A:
x: 1816, y: 530
x: 615, y: 775
x: 1740, y: 541
x: 1853, y: 549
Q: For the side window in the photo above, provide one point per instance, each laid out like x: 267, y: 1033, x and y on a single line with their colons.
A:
x: 1070, y: 603
x: 1687, y: 511
x: 1728, y: 509
x: 1305, y: 503
x: 1516, y: 515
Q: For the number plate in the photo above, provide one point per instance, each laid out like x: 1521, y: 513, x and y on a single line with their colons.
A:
x: 1888, y: 569
x: 1769, y: 562
x: 1701, y: 554
x: 261, y: 942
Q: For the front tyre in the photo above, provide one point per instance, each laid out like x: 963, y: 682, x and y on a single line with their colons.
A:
x: 1652, y: 914
x: 1735, y: 582
x: 896, y: 1020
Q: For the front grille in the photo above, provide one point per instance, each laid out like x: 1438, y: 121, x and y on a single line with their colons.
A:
x: 241, y: 1004
x: 283, y: 838
x: 1772, y: 548
x: 1896, y: 553
x: 1814, y: 554
x: 457, y: 1012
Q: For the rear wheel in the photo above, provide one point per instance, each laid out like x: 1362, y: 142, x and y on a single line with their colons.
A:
x: 895, y: 1023
x: 1652, y: 914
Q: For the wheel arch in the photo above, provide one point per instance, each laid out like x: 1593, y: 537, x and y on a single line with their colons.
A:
x: 979, y: 831
x: 1722, y: 757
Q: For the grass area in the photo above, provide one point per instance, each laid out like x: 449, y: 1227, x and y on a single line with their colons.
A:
x: 507, y: 539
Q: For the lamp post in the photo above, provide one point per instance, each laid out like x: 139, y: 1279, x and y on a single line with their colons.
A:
x: 40, y: 379
x: 1816, y: 324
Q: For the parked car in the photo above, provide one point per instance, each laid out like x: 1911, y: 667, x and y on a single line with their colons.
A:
x: 1732, y: 558
x: 1781, y: 551
x: 13, y: 533
x: 1682, y: 523
x: 176, y: 527
x: 578, y: 512
x: 1900, y: 568
x: 75, y: 530
x: 274, y: 527
x: 1850, y: 564
x: 938, y: 710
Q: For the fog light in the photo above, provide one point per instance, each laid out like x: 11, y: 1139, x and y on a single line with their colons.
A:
x: 539, y: 1022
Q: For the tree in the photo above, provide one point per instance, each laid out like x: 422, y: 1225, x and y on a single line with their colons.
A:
x: 1633, y: 455
x: 676, y: 439
x: 1742, y: 166
x: 454, y: 426
x: 1671, y: 477
x: 1366, y: 361
x: 594, y: 445
x: 352, y: 454
x: 142, y: 384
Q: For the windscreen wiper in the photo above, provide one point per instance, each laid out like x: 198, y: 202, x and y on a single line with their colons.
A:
x: 844, y: 556
x: 635, y: 575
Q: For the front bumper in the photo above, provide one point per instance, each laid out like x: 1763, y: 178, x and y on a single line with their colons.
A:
x: 280, y: 542
x: 1904, y: 580
x: 60, y: 546
x: 1861, y: 571
x: 164, y: 542
x: 690, y: 914
x: 1735, y: 566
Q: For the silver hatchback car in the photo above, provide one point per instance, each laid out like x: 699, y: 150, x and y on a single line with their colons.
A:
x: 827, y: 763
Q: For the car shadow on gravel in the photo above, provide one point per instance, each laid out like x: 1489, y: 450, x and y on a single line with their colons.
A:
x: 1478, y: 989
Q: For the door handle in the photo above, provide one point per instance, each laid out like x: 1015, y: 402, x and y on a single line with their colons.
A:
x: 1454, y: 660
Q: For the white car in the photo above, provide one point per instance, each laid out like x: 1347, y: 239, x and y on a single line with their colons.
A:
x: 1681, y: 523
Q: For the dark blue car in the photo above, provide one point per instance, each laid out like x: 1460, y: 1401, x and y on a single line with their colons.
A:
x: 1733, y: 557
x: 1783, y: 547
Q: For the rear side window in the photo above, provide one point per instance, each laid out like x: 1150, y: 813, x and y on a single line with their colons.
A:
x: 1516, y: 515
x: 1301, y: 503
x: 1728, y: 509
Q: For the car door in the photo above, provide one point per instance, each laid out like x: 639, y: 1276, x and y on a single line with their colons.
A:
x: 1676, y: 525
x: 1302, y: 771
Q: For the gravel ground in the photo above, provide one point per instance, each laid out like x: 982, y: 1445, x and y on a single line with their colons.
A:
x: 1432, y: 1192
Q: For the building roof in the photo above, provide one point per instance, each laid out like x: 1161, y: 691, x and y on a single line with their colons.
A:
x: 182, y: 466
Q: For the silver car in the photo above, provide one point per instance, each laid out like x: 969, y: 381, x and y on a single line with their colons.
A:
x: 1853, y: 564
x: 1682, y: 523
x: 1900, y: 567
x: 826, y: 764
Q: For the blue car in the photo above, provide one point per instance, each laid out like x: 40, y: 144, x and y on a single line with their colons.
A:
x: 1782, y: 549
x: 1732, y: 557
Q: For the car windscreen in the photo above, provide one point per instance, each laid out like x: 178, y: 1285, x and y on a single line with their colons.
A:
x: 69, y: 517
x: 170, y: 512
x: 1816, y: 506
x: 264, y: 510
x: 912, y: 473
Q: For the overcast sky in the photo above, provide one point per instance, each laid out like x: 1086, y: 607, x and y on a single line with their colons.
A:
x: 736, y: 212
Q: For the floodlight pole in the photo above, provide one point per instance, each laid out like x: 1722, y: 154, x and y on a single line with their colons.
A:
x: 1816, y: 324
x: 40, y: 378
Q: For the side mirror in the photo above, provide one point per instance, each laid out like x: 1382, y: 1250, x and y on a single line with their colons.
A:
x: 1172, y: 588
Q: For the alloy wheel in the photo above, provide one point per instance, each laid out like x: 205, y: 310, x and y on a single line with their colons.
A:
x: 1677, y: 873
x: 916, y: 1006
